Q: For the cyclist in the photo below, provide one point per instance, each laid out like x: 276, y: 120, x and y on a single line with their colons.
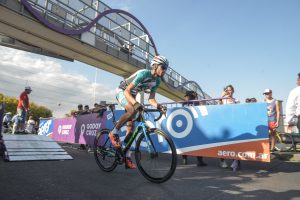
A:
x: 145, y: 80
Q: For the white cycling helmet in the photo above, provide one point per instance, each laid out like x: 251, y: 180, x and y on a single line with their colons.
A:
x: 160, y: 60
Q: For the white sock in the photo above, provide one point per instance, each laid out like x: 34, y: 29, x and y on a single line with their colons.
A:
x: 128, y: 154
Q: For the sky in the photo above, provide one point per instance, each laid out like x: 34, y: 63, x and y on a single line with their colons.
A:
x: 250, y: 44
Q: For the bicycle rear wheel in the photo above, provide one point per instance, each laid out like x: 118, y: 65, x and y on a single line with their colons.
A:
x: 104, y: 153
x: 284, y: 142
x: 156, y: 158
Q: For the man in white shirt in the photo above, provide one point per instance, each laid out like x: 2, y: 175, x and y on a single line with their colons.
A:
x: 293, y: 107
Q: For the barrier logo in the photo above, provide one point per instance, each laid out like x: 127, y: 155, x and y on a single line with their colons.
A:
x: 59, y: 129
x: 64, y: 129
x: 82, y: 129
x: 180, y: 123
x: 45, y: 128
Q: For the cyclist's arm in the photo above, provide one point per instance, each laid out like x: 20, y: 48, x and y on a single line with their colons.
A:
x: 152, y: 100
x: 127, y: 94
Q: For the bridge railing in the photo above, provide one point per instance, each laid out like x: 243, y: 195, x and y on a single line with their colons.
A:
x: 113, y: 33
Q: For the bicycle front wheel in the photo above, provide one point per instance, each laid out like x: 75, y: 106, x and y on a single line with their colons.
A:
x: 284, y: 142
x: 104, y: 153
x: 156, y: 156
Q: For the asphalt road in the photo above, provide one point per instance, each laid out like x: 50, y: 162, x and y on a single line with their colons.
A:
x: 82, y: 179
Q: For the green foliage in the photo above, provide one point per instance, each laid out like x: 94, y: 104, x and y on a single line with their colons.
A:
x: 70, y: 114
x: 36, y: 111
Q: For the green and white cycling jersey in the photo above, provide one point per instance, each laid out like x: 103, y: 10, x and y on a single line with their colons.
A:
x: 143, y: 81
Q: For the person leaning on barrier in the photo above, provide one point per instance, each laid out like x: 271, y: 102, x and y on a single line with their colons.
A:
x: 251, y: 100
x: 127, y: 48
x: 273, y: 110
x: 79, y: 111
x: 99, y: 108
x: 293, y: 107
x: 191, y: 95
x: 227, y: 98
x: 86, y: 110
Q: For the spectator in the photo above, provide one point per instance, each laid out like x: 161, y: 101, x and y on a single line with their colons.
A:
x: 16, y: 120
x: 273, y: 116
x: 227, y: 98
x: 251, y: 100
x: 95, y: 109
x: 227, y: 95
x: 191, y: 95
x: 127, y: 48
x: 79, y: 111
x: 6, y: 120
x: 99, y: 108
x: 30, y: 126
x: 23, y: 107
x: 293, y: 107
x: 86, y: 110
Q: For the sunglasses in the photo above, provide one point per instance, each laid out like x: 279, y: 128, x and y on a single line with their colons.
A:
x: 164, y: 67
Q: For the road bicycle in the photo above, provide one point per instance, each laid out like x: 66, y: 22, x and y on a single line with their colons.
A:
x: 286, y: 141
x: 154, y: 150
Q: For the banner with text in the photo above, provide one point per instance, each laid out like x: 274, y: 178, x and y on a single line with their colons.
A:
x: 46, y: 127
x: 238, y: 131
x: 87, y: 126
x: 64, y: 130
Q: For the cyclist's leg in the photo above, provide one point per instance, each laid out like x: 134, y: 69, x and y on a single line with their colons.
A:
x: 130, y: 112
x: 129, y: 163
x: 113, y: 135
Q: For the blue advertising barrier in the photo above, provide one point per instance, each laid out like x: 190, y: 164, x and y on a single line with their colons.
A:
x: 46, y: 127
x: 238, y: 131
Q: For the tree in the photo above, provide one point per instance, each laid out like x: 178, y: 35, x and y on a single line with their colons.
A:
x: 36, y: 111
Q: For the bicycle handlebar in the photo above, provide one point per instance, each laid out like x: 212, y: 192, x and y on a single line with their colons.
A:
x: 154, y: 110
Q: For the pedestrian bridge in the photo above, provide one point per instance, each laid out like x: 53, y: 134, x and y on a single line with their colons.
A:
x: 88, y: 31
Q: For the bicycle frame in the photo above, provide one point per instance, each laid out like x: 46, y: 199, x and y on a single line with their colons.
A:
x: 141, y: 126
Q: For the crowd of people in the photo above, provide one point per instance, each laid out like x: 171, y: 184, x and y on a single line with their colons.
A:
x: 18, y: 123
x: 98, y: 108
x: 273, y: 112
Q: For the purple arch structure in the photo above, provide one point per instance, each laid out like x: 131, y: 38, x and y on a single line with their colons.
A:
x: 89, y: 26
